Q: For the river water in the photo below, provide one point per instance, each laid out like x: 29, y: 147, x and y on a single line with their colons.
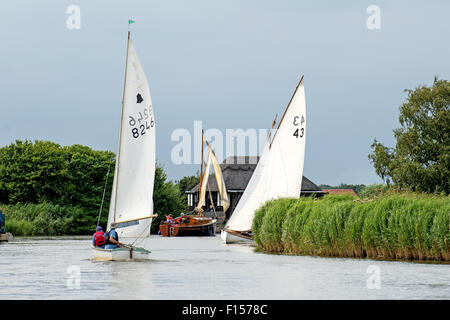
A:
x: 205, y: 268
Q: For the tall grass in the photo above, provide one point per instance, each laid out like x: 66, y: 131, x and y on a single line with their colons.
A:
x: 393, y: 226
x: 47, y: 219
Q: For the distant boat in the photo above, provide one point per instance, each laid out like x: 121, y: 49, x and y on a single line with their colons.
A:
x: 200, y: 225
x: 192, y: 225
x: 279, y: 171
x: 131, y: 206
x: 5, y: 237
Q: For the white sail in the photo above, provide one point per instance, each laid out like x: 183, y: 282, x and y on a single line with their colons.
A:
x: 131, y: 204
x: 279, y: 171
x: 287, y: 152
x: 252, y: 198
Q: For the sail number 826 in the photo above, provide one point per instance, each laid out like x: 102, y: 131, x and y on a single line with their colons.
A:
x: 141, y: 129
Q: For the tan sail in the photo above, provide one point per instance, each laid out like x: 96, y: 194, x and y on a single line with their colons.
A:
x: 212, y: 160
x: 204, y: 182
x: 219, y: 178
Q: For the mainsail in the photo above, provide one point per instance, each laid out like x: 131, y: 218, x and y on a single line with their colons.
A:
x: 131, y: 204
x: 219, y: 179
x: 279, y: 170
x: 212, y: 160
x: 204, y: 182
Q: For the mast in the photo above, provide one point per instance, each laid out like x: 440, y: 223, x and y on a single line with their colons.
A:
x: 201, y: 162
x: 271, y: 129
x: 120, y: 134
x: 292, y: 97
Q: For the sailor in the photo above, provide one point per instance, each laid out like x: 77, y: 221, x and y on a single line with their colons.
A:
x: 181, y: 218
x: 112, y: 238
x: 210, y: 210
x: 98, y: 240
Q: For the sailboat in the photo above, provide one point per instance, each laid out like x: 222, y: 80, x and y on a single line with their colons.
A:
x: 200, y: 225
x: 279, y: 171
x: 131, y: 206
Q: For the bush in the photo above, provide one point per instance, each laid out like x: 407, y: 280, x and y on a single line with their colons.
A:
x: 47, y: 219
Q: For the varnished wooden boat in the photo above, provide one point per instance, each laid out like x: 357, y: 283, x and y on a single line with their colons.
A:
x: 194, y: 226
x: 5, y: 237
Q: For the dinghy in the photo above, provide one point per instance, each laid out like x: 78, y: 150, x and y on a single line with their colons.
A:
x: 131, y: 206
x: 279, y: 171
x: 120, y: 254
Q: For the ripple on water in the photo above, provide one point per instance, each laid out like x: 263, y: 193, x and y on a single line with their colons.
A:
x: 205, y: 268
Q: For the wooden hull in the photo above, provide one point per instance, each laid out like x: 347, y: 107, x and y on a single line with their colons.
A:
x: 119, y: 254
x: 197, y: 226
x: 5, y: 237
x: 230, y: 236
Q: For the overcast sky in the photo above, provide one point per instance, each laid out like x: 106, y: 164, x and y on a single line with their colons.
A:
x: 232, y: 64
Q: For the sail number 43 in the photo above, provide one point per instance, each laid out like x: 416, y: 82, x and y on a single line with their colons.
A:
x: 299, y: 132
x: 141, y: 123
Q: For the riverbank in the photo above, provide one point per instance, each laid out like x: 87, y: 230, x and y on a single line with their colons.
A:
x: 399, y: 226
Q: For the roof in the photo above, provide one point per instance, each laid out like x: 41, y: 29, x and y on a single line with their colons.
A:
x: 237, y: 172
x: 341, y: 191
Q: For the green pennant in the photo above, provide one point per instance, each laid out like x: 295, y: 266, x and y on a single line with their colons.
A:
x: 131, y: 21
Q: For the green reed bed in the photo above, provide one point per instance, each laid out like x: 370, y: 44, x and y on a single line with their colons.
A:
x: 46, y: 219
x: 404, y: 226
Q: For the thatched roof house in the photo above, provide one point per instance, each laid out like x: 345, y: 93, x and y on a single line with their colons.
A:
x: 237, y: 172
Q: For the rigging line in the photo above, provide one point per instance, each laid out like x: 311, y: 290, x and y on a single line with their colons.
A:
x: 141, y: 233
x: 104, y: 191
x: 210, y: 199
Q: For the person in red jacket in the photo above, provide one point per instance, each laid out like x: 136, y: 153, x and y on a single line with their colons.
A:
x: 98, y: 240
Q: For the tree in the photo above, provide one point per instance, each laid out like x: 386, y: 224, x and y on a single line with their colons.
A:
x: 44, y: 171
x: 65, y: 184
x: 66, y: 179
x: 186, y: 184
x: 166, y: 199
x: 420, y: 161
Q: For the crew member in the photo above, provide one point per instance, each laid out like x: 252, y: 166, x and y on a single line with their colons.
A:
x: 112, y: 241
x: 98, y: 240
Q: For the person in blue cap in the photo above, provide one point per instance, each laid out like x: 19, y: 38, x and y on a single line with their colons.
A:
x: 98, y: 240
